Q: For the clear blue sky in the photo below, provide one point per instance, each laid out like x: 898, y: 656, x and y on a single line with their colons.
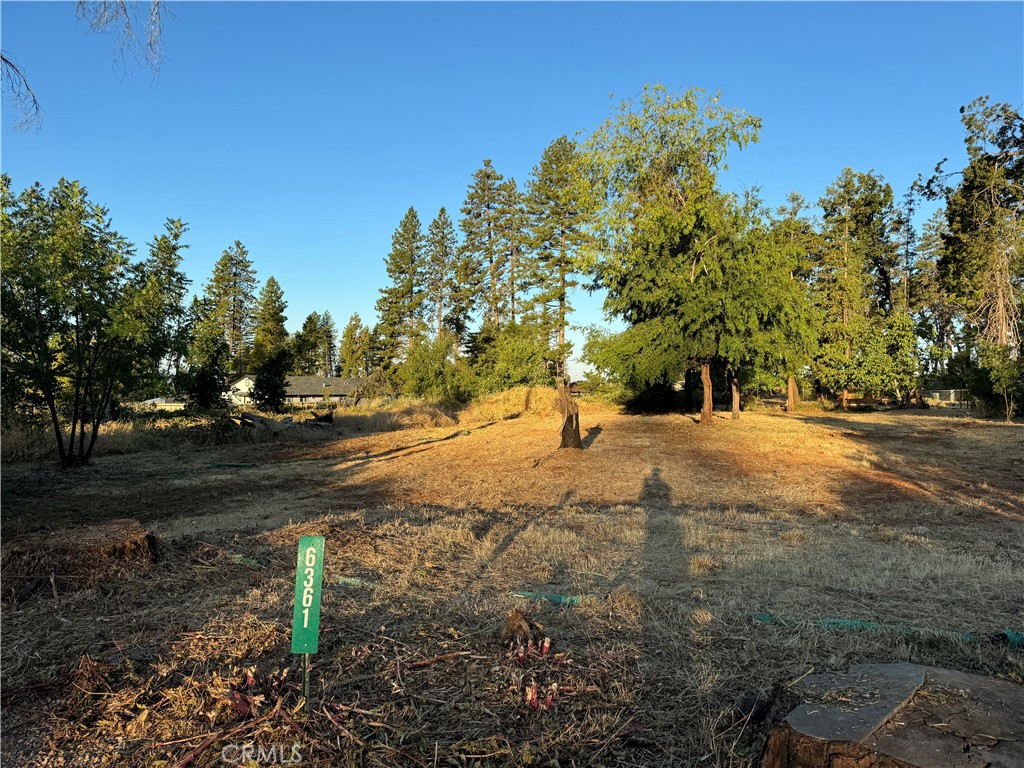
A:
x: 306, y: 130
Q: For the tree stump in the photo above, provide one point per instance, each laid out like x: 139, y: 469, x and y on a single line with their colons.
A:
x: 900, y: 716
x: 570, y: 417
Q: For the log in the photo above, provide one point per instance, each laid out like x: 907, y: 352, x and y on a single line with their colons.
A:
x: 254, y: 420
x: 570, y: 417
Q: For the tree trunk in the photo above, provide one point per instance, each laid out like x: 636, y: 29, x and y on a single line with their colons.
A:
x: 792, y: 394
x: 735, y: 397
x: 570, y: 417
x: 843, y: 397
x: 705, y: 380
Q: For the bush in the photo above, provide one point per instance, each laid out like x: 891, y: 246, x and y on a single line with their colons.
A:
x: 433, y: 370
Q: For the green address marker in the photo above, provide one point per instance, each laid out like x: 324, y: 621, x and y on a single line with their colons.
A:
x: 309, y: 576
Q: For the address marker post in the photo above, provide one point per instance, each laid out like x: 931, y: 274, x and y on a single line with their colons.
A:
x: 309, y: 573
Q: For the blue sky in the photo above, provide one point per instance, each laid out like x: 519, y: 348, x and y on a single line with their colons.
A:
x: 306, y: 130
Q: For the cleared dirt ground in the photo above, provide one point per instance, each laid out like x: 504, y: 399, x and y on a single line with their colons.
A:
x: 674, y: 536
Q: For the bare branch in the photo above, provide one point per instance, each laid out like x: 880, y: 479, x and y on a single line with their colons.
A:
x: 126, y: 18
x: 16, y: 86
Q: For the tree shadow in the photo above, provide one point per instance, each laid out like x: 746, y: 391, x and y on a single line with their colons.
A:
x: 591, y: 435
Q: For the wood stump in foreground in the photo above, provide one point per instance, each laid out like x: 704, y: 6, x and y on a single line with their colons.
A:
x: 900, y: 716
x: 570, y: 417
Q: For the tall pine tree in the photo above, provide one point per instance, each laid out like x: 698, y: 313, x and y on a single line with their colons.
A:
x: 441, y: 252
x: 269, y: 333
x: 480, y: 244
x: 400, y: 306
x: 354, y: 355
x: 510, y: 236
x: 231, y: 291
x: 560, y: 206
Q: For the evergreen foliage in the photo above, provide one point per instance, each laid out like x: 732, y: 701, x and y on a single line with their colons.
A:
x: 209, y: 359
x: 484, y: 266
x: 440, y: 279
x: 401, y: 305
x: 560, y: 206
x: 355, y: 355
x: 231, y: 290
x: 270, y: 386
x: 269, y: 334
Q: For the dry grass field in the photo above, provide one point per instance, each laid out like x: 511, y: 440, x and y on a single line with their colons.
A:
x: 674, y: 538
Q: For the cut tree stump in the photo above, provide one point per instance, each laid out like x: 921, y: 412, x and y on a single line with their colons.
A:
x: 570, y: 417
x: 900, y: 716
x: 74, y: 558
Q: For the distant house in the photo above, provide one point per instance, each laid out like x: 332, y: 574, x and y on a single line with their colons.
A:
x: 301, y: 390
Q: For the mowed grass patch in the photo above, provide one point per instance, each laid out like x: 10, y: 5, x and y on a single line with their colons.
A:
x: 674, y: 539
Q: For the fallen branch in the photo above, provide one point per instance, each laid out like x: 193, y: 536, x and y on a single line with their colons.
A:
x: 442, y: 657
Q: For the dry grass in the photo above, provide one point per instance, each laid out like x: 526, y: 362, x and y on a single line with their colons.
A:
x: 674, y: 537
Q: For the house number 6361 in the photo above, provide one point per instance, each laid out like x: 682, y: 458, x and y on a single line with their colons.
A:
x: 307, y: 585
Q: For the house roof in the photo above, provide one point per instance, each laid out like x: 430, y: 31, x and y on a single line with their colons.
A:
x: 307, y: 386
x: 312, y: 386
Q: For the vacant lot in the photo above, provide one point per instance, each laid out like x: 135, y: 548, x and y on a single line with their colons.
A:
x: 674, y: 536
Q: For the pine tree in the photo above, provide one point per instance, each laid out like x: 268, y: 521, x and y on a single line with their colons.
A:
x: 982, y: 262
x: 441, y: 251
x: 842, y: 283
x: 327, y: 345
x: 305, y: 342
x: 510, y: 241
x: 400, y: 307
x: 270, y: 387
x: 269, y: 332
x: 937, y: 314
x: 862, y: 290
x: 354, y: 356
x: 560, y: 206
x: 208, y: 358
x: 231, y: 289
x: 480, y: 244
x: 796, y: 240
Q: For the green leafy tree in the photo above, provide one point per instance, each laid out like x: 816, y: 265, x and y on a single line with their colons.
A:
x: 269, y: 333
x: 231, y: 291
x: 434, y: 370
x: 665, y: 228
x: 484, y: 264
x: 1005, y: 374
x: 82, y: 324
x: 510, y: 356
x: 560, y: 207
x: 400, y: 306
